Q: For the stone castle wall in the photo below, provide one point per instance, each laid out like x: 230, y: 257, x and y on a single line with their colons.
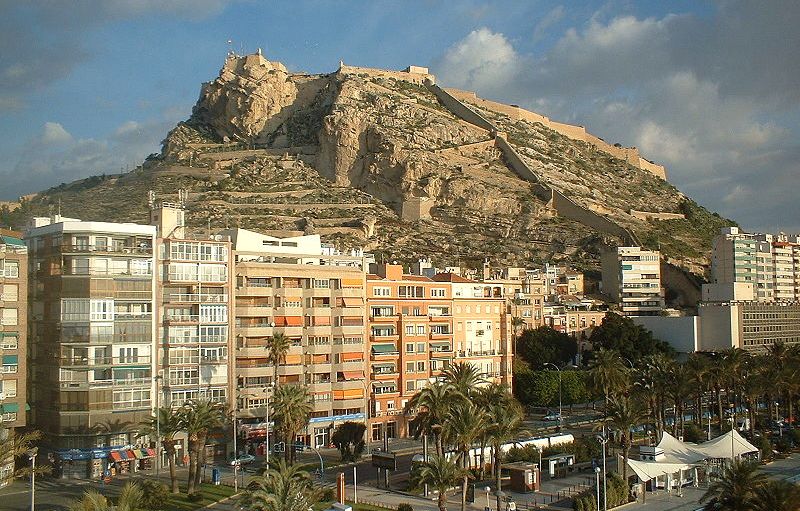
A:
x: 414, y: 74
x: 629, y: 154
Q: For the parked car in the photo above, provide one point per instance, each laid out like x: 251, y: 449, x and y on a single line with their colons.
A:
x: 243, y: 459
x: 552, y: 416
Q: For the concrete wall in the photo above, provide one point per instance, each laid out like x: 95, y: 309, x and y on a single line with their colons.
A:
x: 649, y: 215
x: 720, y: 327
x: 413, y: 76
x: 728, y: 291
x: 567, y: 208
x: 682, y: 333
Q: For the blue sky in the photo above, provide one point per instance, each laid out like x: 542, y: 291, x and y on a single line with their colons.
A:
x: 710, y: 89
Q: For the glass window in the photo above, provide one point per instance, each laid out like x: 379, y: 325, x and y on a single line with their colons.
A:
x: 10, y: 293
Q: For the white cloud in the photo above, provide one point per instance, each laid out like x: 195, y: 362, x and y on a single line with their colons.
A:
x: 54, y: 133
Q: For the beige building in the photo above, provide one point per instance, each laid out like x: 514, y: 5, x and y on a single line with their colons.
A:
x: 632, y: 278
x: 92, y: 289
x: 314, y: 296
x: 13, y: 333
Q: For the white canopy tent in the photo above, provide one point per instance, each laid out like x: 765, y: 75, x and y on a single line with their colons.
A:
x: 679, y: 457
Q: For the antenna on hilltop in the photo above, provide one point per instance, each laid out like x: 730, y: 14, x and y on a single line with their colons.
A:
x: 231, y: 53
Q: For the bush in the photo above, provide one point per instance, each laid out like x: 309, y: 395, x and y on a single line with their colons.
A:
x: 405, y: 507
x: 156, y: 494
x: 795, y: 434
x: 693, y: 433
x: 765, y: 447
x: 195, y: 497
x: 328, y: 495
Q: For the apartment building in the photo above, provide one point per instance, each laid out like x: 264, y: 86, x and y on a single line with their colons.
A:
x: 13, y: 333
x: 742, y: 257
x: 632, y: 278
x: 91, y: 292
x: 314, y: 295
x: 194, y: 306
x: 417, y: 327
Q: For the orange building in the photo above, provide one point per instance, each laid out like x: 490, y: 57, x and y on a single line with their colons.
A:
x: 412, y: 336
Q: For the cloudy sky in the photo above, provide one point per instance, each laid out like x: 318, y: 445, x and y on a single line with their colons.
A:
x: 711, y: 89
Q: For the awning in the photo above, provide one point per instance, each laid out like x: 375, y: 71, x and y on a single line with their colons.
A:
x: 294, y: 321
x: 115, y: 455
x: 352, y: 357
x: 10, y: 359
x: 294, y: 359
x: 353, y: 375
x: 9, y: 407
x: 384, y: 348
x: 351, y: 301
x: 647, y: 470
x: 151, y: 452
x: 351, y: 282
x: 441, y: 344
x: 137, y: 453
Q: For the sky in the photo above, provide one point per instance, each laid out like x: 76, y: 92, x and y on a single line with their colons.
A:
x: 710, y: 89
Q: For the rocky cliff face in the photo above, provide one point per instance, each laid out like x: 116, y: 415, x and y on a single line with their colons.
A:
x: 345, y: 154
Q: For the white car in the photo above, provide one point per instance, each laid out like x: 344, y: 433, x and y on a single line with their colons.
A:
x: 552, y: 416
x: 243, y: 459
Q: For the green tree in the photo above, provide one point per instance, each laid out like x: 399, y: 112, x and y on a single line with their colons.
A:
x: 348, y: 437
x: 632, y: 341
x: 546, y: 345
x: 608, y: 372
x: 169, y: 425
x: 198, y: 418
x: 535, y: 387
x: 464, y: 377
x: 441, y: 474
x: 15, y: 445
x: 735, y: 489
x: 432, y: 404
x: 154, y: 495
x: 624, y: 414
x: 283, y: 487
x: 278, y: 346
x: 464, y: 426
x: 130, y: 499
x: 504, y: 419
x: 291, y: 411
x: 776, y: 496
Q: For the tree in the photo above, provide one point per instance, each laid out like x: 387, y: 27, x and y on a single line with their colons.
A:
x: 505, y: 418
x: 348, y: 437
x: 464, y: 426
x: 608, y: 372
x: 632, y: 341
x: 464, y: 377
x: 278, y: 346
x: 14, y: 445
x: 776, y: 496
x: 624, y: 414
x: 432, y: 404
x: 441, y: 474
x: 169, y: 425
x: 546, y: 345
x: 697, y: 368
x: 130, y: 498
x: 735, y: 489
x: 283, y: 487
x: 291, y: 411
x: 198, y: 417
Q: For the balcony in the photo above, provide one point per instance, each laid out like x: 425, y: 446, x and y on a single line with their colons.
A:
x: 197, y: 298
x: 143, y: 361
x: 439, y: 334
x: 255, y: 330
x: 254, y: 291
x: 319, y: 367
x: 108, y: 249
x: 254, y: 311
x: 347, y: 385
x: 264, y: 370
x: 320, y: 386
x: 182, y: 319
x: 347, y: 403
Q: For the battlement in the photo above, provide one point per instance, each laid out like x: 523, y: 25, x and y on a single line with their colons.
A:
x: 413, y: 74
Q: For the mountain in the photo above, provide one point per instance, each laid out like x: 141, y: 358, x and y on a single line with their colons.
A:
x: 391, y: 161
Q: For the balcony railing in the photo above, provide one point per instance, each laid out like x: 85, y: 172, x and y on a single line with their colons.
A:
x: 198, y: 298
x: 107, y: 249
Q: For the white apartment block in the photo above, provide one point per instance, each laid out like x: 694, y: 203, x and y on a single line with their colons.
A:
x: 632, y: 277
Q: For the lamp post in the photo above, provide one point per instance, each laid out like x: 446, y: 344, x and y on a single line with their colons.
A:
x: 158, y: 425
x: 603, y: 440
x: 235, y: 454
x: 559, y: 388
x: 32, y: 456
x: 777, y: 423
x: 268, y: 391
x: 488, y: 505
x: 597, y: 484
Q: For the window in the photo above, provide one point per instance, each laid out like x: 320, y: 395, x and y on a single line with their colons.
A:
x: 410, y: 347
x: 10, y: 293
x: 214, y: 334
x: 420, y: 347
x: 420, y: 366
x: 410, y: 385
x: 434, y: 365
x: 128, y: 355
x: 9, y: 317
x: 182, y: 272
x: 8, y: 389
x: 382, y: 311
x: 213, y: 313
x: 437, y: 292
x: 8, y: 342
x: 420, y: 329
x: 126, y: 399
x: 381, y: 291
x: 102, y: 310
x: 409, y: 367
x: 321, y: 283
x: 213, y: 273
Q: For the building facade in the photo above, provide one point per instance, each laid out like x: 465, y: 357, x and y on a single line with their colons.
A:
x: 13, y: 332
x: 315, y: 297
x: 91, y: 294
x: 632, y: 278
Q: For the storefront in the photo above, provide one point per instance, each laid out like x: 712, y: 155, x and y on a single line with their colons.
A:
x: 80, y: 463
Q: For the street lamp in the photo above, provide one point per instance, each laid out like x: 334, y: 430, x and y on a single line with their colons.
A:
x: 268, y: 391
x: 603, y: 441
x: 32, y: 456
x: 488, y: 505
x: 597, y: 484
x: 559, y: 388
x: 158, y: 424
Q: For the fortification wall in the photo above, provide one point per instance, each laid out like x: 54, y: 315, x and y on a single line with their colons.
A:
x: 459, y: 109
x: 567, y: 208
x: 629, y: 154
x: 413, y: 77
x: 648, y: 215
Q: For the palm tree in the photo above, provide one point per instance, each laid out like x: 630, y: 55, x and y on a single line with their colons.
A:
x: 624, y: 414
x: 697, y: 368
x: 198, y: 417
x: 291, y: 411
x: 735, y: 489
x: 608, y: 372
x: 278, y: 346
x: 776, y: 496
x: 464, y: 426
x: 14, y: 445
x: 505, y: 418
x: 486, y: 398
x: 679, y: 388
x: 432, y: 404
x: 130, y: 498
x: 464, y: 377
x: 441, y: 474
x: 168, y: 424
x: 282, y: 487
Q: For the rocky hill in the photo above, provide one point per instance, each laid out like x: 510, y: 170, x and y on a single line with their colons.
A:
x: 389, y: 161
